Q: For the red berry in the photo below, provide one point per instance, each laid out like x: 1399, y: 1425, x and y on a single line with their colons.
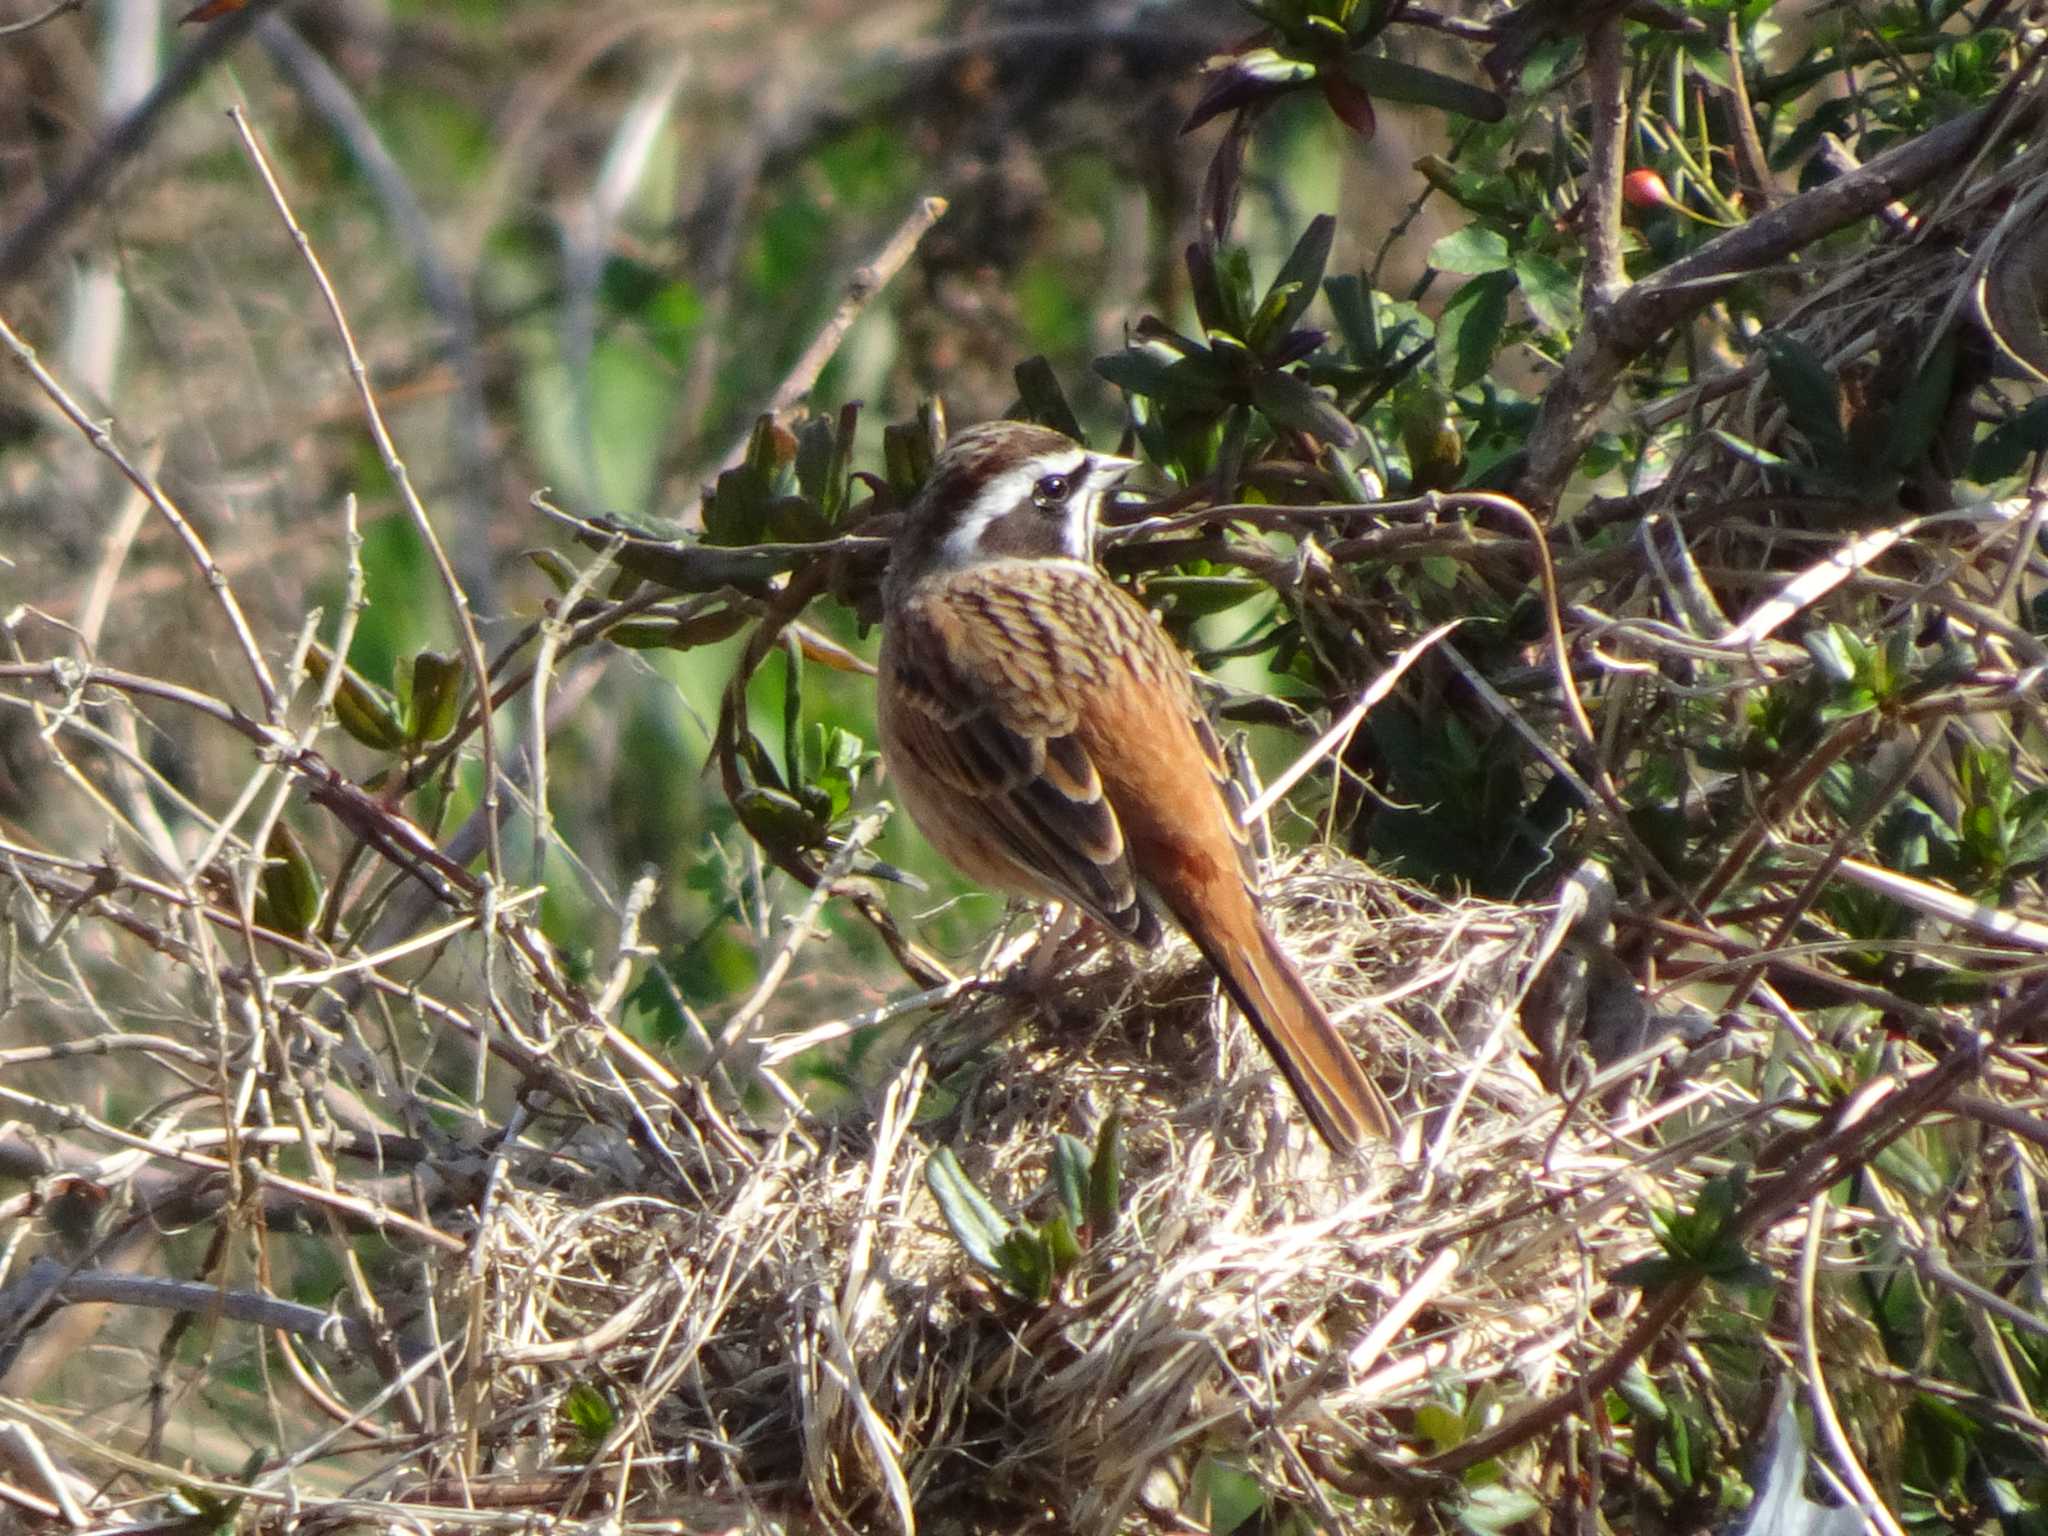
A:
x: 1644, y: 188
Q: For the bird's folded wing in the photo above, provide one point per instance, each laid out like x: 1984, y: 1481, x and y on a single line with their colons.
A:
x: 988, y: 702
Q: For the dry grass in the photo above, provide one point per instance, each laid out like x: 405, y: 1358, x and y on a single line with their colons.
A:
x: 801, y: 1333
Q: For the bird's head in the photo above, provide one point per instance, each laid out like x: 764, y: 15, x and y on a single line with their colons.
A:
x: 1004, y: 490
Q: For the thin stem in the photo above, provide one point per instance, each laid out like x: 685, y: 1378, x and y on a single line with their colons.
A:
x: 387, y: 452
x: 97, y: 433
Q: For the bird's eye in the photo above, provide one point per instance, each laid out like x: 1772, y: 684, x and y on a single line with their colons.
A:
x: 1051, y: 491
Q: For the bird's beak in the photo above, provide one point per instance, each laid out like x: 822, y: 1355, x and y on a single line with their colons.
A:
x: 1110, y: 468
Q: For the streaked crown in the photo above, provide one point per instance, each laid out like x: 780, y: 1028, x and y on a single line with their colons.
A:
x: 1004, y: 490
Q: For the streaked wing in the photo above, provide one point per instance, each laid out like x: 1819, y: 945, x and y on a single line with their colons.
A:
x: 988, y: 700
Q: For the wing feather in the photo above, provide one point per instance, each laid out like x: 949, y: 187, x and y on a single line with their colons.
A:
x: 985, y: 701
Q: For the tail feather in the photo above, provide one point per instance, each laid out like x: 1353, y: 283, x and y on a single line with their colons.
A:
x: 1345, y: 1105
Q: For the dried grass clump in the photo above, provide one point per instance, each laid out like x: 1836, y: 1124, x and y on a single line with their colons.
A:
x: 814, y: 1332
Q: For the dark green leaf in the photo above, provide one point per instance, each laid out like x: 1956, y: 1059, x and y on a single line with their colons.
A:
x: 290, y: 895
x: 1288, y: 400
x: 839, y: 474
x: 1297, y: 279
x: 559, y: 572
x: 2011, y: 443
x: 1024, y: 1264
x: 796, y: 520
x: 736, y: 508
x: 1139, y: 370
x: 1469, y: 332
x: 434, y: 698
x: 1193, y: 597
x: 1351, y: 305
x: 816, y: 441
x: 1913, y: 421
x: 1743, y: 449
x: 1105, y: 1179
x: 1202, y: 287
x: 1391, y: 80
x: 1812, y: 400
x: 1234, y: 291
x: 906, y: 457
x: 1044, y: 401
x: 365, y: 712
x: 778, y: 818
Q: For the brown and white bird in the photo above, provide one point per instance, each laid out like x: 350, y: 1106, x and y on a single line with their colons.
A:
x: 1043, y: 732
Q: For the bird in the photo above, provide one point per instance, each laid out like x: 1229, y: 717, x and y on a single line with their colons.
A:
x: 1043, y: 732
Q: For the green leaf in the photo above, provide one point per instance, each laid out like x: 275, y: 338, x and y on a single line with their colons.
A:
x: 1493, y: 1510
x: 1471, y: 251
x: 1812, y: 400
x: 1547, y: 63
x: 1194, y: 597
x: 1024, y: 1264
x: 1044, y: 401
x: 1154, y: 371
x: 1233, y: 264
x: 2011, y: 443
x: 1700, y: 1243
x: 1469, y: 333
x: 793, y: 708
x: 1651, y: 1274
x: 1839, y: 654
x: 1105, y: 1179
x: 559, y: 572
x: 1235, y: 1498
x: 1061, y: 1246
x: 778, y: 818
x: 1140, y: 370
x: 1912, y: 422
x: 1550, y: 290
x: 1270, y: 67
x: 590, y: 1414
x: 365, y: 712
x: 908, y: 448
x: 290, y: 895
x: 1070, y: 1159
x: 1295, y: 284
x: 977, y: 1226
x: 1391, y: 80
x: 1707, y: 58
x: 1265, y: 326
x: 736, y: 508
x: 1287, y: 400
x: 1202, y: 287
x: 1442, y: 1426
x: 433, y: 697
x: 1351, y: 306
x: 816, y: 441
x: 833, y: 498
x: 705, y: 628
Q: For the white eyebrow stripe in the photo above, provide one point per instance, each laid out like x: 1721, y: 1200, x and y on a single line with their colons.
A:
x: 1003, y: 493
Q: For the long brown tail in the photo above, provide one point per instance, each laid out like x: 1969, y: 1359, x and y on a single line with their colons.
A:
x: 1345, y: 1105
